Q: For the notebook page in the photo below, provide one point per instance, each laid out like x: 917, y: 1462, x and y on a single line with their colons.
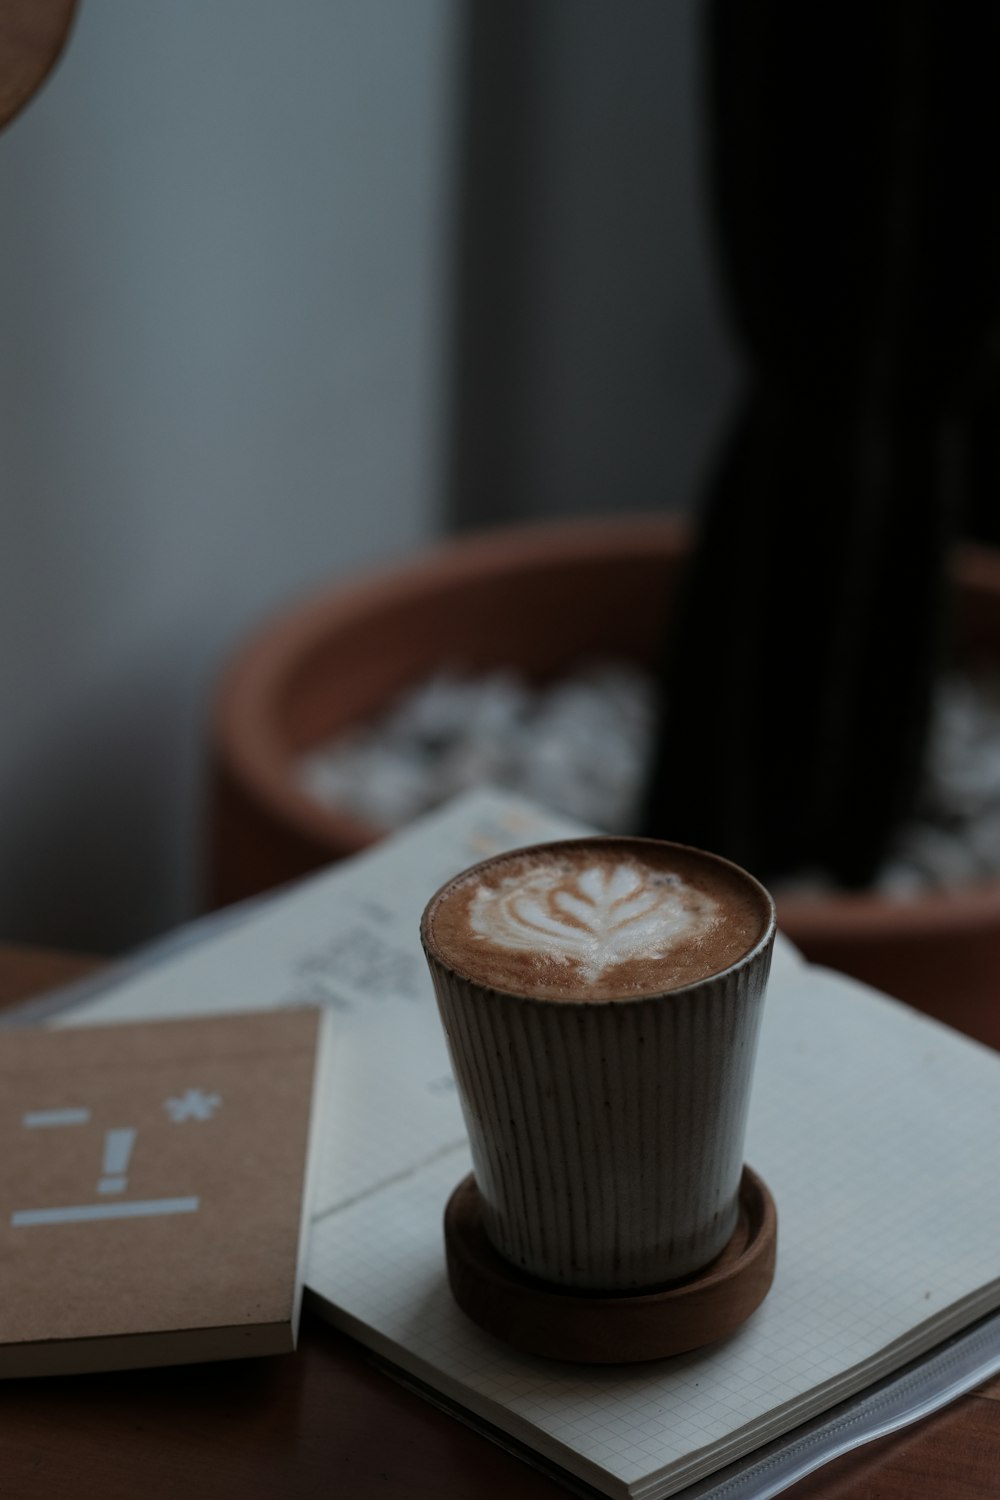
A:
x: 878, y: 1133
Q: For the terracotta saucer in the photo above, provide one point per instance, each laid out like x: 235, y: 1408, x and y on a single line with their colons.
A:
x: 593, y: 1327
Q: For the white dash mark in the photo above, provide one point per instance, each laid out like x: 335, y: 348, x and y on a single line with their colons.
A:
x: 40, y: 1119
x: 24, y: 1218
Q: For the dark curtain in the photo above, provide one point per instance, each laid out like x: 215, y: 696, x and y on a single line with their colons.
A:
x: 853, y: 164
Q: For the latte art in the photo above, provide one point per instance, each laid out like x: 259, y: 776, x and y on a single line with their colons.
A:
x: 595, y: 917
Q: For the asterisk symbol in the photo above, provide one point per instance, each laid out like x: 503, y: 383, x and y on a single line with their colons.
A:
x: 195, y: 1104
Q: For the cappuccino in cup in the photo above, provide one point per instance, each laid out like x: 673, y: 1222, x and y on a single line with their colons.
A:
x: 601, y: 998
x: 599, y: 919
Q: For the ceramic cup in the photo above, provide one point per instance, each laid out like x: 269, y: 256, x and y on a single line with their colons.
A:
x: 607, y: 1129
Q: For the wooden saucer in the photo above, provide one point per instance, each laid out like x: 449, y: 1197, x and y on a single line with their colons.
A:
x: 599, y: 1329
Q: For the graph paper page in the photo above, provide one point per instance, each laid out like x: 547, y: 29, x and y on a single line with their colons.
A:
x: 878, y: 1134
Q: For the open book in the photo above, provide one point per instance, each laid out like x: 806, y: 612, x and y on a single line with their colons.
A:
x: 876, y: 1129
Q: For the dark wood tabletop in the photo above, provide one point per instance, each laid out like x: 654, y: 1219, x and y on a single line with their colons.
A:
x: 327, y: 1422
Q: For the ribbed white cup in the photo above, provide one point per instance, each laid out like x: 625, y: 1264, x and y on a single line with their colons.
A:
x: 607, y: 1136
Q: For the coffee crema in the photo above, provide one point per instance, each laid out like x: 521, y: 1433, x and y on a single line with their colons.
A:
x: 596, y: 919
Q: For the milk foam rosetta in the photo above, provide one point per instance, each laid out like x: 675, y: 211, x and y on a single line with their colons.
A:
x: 596, y: 919
x: 592, y: 918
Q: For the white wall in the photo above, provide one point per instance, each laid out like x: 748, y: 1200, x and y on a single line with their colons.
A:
x: 597, y: 372
x: 223, y: 327
x: 228, y: 368
x: 630, y: 377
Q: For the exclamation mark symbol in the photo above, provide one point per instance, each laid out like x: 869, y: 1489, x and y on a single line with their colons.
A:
x: 117, y: 1150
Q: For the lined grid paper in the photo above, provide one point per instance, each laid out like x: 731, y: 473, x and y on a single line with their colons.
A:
x: 878, y: 1135
x: 877, y: 1131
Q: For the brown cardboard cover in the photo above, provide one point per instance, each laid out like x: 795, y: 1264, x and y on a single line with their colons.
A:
x: 178, y: 1242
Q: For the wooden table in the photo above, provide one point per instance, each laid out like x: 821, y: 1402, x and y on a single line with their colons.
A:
x: 325, y: 1422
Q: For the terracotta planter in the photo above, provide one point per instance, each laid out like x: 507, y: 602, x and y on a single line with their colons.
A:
x: 540, y: 598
